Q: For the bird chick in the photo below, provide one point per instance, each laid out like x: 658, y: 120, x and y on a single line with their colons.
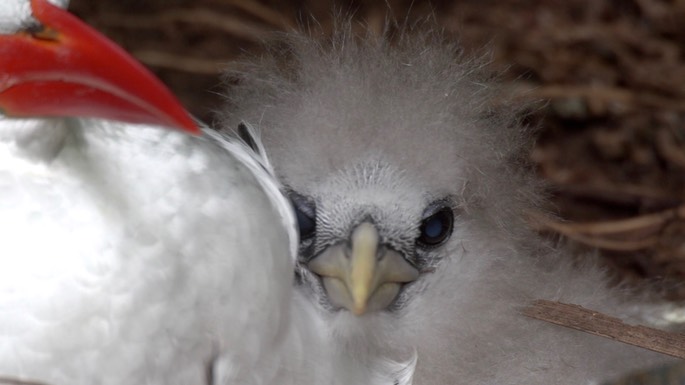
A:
x: 411, y: 197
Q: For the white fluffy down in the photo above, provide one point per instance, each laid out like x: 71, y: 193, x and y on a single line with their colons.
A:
x: 325, y: 107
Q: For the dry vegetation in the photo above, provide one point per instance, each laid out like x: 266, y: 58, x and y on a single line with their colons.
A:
x: 612, y: 141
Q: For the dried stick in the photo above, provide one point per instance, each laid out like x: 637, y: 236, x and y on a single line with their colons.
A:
x: 605, y: 95
x: 14, y: 381
x: 621, y: 193
x: 610, y: 244
x: 263, y: 12
x: 230, y: 24
x: 181, y: 63
x: 589, y: 233
x: 669, y: 150
x: 640, y: 222
x: 589, y: 321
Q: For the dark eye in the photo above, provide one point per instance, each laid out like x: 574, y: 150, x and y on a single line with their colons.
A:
x: 305, y: 212
x: 436, y: 228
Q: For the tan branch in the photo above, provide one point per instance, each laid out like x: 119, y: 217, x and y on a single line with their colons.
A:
x: 605, y: 95
x: 168, y: 60
x: 14, y: 381
x: 612, y: 244
x: 592, y: 322
x: 613, y: 192
x: 639, y: 223
x: 230, y: 24
x: 262, y: 12
x: 669, y: 150
x: 595, y: 234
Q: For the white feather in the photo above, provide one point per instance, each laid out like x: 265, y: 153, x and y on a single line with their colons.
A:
x: 138, y: 255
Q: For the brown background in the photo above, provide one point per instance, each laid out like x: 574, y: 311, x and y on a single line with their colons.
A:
x: 612, y: 140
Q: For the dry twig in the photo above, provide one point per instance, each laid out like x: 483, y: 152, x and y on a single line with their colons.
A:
x: 589, y: 321
x: 229, y: 24
x: 171, y: 61
x: 262, y: 12
x: 14, y: 381
x: 669, y: 150
x: 606, y: 95
x: 596, y: 234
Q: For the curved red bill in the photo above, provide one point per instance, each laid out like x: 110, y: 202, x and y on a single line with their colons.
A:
x: 66, y: 68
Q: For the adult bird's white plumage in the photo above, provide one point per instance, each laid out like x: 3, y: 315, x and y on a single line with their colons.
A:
x: 120, y: 264
x: 133, y: 254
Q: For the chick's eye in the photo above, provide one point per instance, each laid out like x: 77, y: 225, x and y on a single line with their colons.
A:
x: 436, y: 228
x: 306, y: 224
x: 305, y: 212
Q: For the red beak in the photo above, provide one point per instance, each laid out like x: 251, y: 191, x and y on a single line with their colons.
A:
x: 66, y: 68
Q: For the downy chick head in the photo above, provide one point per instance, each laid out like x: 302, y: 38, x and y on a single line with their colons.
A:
x: 395, y: 159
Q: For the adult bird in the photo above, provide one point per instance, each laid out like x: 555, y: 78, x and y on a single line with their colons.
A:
x: 130, y: 253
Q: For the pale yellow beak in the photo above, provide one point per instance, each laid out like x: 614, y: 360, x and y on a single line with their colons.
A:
x: 364, y: 277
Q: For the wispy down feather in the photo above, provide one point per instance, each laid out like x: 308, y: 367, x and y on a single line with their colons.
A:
x: 415, y: 115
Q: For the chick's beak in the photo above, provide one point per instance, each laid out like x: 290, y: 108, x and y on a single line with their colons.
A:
x: 364, y: 276
x: 65, y: 68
